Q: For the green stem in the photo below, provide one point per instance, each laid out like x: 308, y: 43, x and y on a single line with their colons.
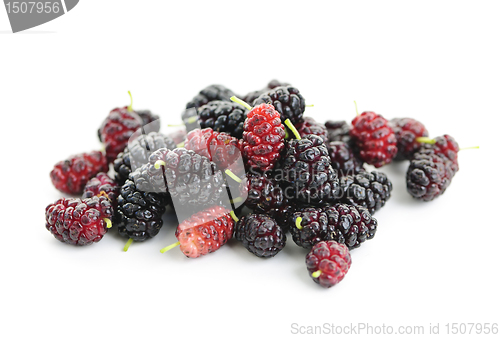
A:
x: 316, y: 274
x: 232, y: 175
x: 233, y: 216
x: 127, y: 245
x: 171, y: 246
x: 240, y: 101
x: 180, y: 145
x: 297, y: 223
x: 426, y: 140
x: 108, y: 222
x: 129, y: 108
x: 159, y: 163
x: 237, y: 200
x: 290, y: 125
x: 192, y: 119
x: 466, y: 148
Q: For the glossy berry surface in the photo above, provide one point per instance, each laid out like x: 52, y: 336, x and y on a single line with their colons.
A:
x: 447, y: 146
x: 139, y: 213
x: 205, y: 231
x: 250, y: 97
x: 375, y: 139
x: 221, y: 116
x: 310, y: 127
x: 137, y: 153
x: 343, y: 223
x: 287, y: 101
x: 263, y: 192
x: 211, y: 93
x: 366, y: 189
x: 309, y: 175
x: 191, y: 180
x: 343, y: 159
x: 353, y: 224
x: 407, y: 130
x: 71, y: 175
x: 102, y: 183
x: 260, y: 234
x: 220, y: 148
x: 79, y: 221
x: 117, y: 129
x: 338, y: 131
x: 263, y: 138
x: 428, y: 175
x: 313, y: 227
x: 328, y: 262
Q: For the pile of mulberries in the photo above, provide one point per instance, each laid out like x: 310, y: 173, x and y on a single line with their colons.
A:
x: 255, y: 169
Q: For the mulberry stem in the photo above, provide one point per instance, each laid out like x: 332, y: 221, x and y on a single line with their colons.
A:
x: 290, y: 125
x: 240, y: 101
x: 425, y: 140
x: 129, y: 108
x: 467, y: 148
x: 127, y: 245
x: 159, y: 163
x: 232, y: 175
x: 171, y: 246
x: 316, y: 274
x: 108, y: 222
x: 233, y: 216
x: 297, y: 223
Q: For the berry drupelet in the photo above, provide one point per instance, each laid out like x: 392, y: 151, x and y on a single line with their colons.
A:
x: 205, y: 231
x: 308, y: 173
x: 139, y: 213
x: 71, y: 175
x: 343, y: 159
x: 366, y: 189
x: 263, y: 192
x: 191, y: 179
x: 346, y: 224
x: 328, y: 263
x: 338, y: 131
x: 353, y: 224
x: 220, y: 148
x: 446, y: 146
x: 102, y: 183
x: 221, y: 116
x: 260, y: 234
x: 263, y: 138
x: 79, y: 221
x: 310, y: 127
x: 117, y: 129
x: 375, y: 139
x: 209, y: 94
x: 428, y: 175
x: 407, y: 131
x: 137, y: 153
x: 287, y: 100
x: 250, y: 97
x: 309, y: 226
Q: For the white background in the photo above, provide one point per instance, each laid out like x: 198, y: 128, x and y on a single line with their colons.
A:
x: 436, y: 61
